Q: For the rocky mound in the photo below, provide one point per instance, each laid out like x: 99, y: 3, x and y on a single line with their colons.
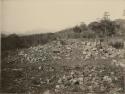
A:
x: 68, y: 66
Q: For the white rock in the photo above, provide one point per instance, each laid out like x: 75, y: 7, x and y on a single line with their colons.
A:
x: 94, y: 49
x: 60, y: 81
x: 39, y: 67
x: 84, y: 52
x: 114, y: 61
x: 46, y: 92
x: 88, y: 44
x: 107, y: 78
x: 103, y: 57
x: 57, y: 86
x: 80, y: 78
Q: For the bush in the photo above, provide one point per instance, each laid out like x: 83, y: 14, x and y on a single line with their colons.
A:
x: 104, y: 27
x: 77, y: 29
x: 117, y: 44
x: 11, y: 42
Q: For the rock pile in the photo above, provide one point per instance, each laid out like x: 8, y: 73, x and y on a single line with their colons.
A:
x: 92, y: 79
x: 72, y: 49
x: 73, y: 66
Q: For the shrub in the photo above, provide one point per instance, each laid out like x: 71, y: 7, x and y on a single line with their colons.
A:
x: 77, y: 29
x: 104, y: 27
x: 117, y: 44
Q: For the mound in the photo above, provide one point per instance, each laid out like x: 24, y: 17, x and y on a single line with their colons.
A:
x: 64, y: 67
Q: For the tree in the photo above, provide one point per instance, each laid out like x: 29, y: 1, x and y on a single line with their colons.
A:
x: 83, y: 27
x: 13, y: 41
x: 105, y: 27
x: 77, y: 29
x: 123, y: 12
x: 106, y: 15
x: 108, y: 27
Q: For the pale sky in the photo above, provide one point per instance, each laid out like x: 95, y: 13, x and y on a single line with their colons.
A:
x: 19, y: 16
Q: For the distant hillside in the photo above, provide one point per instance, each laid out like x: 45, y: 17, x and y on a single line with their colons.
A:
x: 14, y: 41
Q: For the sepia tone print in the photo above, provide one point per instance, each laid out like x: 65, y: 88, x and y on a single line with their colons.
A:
x: 62, y: 47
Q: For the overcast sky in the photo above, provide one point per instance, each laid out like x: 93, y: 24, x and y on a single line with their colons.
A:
x: 52, y: 15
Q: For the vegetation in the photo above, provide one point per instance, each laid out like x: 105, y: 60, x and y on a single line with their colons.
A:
x: 102, y: 28
x: 14, y: 41
x: 72, y: 60
x: 118, y: 44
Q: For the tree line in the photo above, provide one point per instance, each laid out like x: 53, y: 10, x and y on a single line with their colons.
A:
x: 95, y: 29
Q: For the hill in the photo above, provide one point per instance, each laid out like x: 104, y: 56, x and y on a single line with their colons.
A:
x: 94, y: 30
x: 86, y: 59
x: 65, y: 66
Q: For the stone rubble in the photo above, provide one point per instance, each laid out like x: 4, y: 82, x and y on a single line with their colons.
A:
x: 87, y: 50
x: 90, y: 67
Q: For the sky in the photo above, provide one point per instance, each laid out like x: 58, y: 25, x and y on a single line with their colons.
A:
x: 36, y: 16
